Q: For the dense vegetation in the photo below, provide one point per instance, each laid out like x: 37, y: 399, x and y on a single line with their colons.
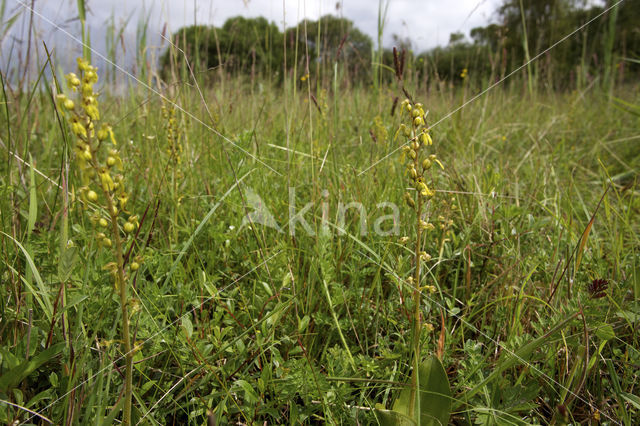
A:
x: 279, y: 237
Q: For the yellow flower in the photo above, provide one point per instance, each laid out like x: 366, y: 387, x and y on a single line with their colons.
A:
x: 111, y: 136
x: 123, y: 198
x: 78, y: 129
x: 105, y: 179
x: 93, y: 112
x: 103, y: 133
x: 425, y: 138
x: 129, y: 227
x: 73, y: 80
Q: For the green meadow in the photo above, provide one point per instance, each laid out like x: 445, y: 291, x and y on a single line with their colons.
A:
x: 375, y: 237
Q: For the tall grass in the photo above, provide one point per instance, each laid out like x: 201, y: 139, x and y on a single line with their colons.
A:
x: 234, y: 321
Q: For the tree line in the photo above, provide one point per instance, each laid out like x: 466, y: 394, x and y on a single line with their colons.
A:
x: 600, y: 43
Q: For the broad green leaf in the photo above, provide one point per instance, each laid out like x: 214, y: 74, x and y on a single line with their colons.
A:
x: 187, y: 325
x: 629, y: 316
x: 13, y: 377
x: 435, y: 399
x: 392, y: 418
x: 303, y: 323
x: 605, y: 332
x: 249, y: 393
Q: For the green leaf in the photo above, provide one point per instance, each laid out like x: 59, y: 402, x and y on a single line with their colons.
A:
x: 629, y: 316
x: 632, y: 399
x: 110, y: 419
x: 9, y: 23
x: 626, y: 106
x: 71, y: 304
x: 31, y: 220
x: 392, y: 418
x: 187, y: 325
x: 13, y: 377
x: 33, y: 199
x: 303, y: 323
x: 249, y: 393
x: 82, y: 14
x: 67, y: 263
x: 583, y: 241
x: 435, y: 399
x: 605, y: 332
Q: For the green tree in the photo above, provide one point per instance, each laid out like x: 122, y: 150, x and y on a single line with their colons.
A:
x: 331, y: 39
x: 251, y: 46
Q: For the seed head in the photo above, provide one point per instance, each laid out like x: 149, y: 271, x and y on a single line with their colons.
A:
x: 598, y: 288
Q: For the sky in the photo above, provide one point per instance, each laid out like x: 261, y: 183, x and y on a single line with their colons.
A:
x: 427, y: 23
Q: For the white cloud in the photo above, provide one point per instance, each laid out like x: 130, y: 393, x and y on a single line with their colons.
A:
x: 427, y: 23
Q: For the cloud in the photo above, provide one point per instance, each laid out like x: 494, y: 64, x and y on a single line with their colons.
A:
x: 426, y: 23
